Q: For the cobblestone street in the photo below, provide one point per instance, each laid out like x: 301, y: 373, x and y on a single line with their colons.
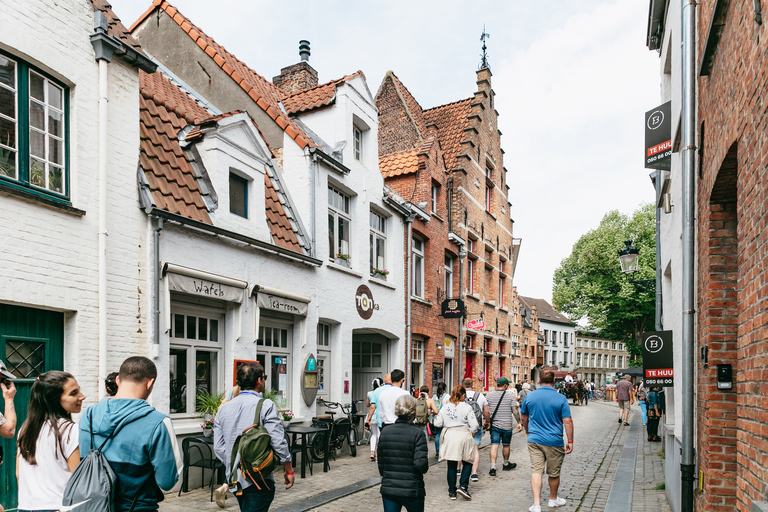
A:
x: 586, y: 480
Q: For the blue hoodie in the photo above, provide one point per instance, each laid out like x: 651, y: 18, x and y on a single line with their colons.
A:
x: 143, y: 454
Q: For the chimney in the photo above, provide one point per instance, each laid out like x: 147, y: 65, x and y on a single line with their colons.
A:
x: 299, y: 76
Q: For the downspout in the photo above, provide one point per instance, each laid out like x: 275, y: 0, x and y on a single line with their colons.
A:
x: 687, y: 379
x: 408, y: 288
x: 313, y: 199
x: 656, y: 177
x: 156, y: 283
x: 460, y: 344
x: 103, y: 118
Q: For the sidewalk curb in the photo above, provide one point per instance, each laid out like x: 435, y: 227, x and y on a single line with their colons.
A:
x: 620, y: 497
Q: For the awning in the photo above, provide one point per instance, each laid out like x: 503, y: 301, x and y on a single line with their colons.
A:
x: 203, y: 284
x: 279, y: 300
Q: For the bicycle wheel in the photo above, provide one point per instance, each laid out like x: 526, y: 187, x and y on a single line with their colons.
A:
x: 352, y: 444
x: 316, y: 446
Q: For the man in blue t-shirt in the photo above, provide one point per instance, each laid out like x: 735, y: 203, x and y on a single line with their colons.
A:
x: 543, y: 414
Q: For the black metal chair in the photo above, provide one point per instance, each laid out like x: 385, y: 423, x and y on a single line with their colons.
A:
x: 198, y: 453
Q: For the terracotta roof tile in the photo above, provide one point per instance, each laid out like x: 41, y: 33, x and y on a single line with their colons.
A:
x: 164, y: 111
x: 283, y: 232
x: 399, y: 163
x: 116, y: 27
x: 319, y: 96
x: 451, y: 120
x: 263, y: 92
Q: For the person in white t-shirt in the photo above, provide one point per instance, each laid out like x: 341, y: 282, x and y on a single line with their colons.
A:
x: 48, y: 441
x: 483, y: 403
x: 386, y: 402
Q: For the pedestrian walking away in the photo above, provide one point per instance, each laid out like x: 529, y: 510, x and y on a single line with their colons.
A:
x: 7, y: 421
x: 477, y: 400
x: 441, y: 398
x: 521, y: 396
x: 48, y: 441
x: 642, y: 394
x: 457, y: 446
x: 654, y: 415
x: 625, y: 398
x: 231, y: 421
x: 372, y: 421
x: 145, y: 456
x: 387, y: 398
x: 504, y: 407
x: 425, y: 407
x: 403, y: 460
x: 544, y: 413
x: 373, y: 408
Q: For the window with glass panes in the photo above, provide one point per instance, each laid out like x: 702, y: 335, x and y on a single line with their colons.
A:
x: 338, y: 223
x: 378, y: 242
x: 470, y: 276
x: 357, y: 134
x: 366, y: 355
x: 502, y: 284
x: 448, y: 276
x: 275, y: 355
x: 434, y: 198
x: 33, y: 128
x: 613, y: 361
x: 417, y: 361
x: 323, y: 358
x: 196, y: 358
x: 418, y: 267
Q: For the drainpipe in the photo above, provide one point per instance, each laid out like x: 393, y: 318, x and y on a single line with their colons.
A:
x: 103, y: 100
x: 156, y: 283
x: 460, y: 344
x: 409, y: 287
x: 687, y: 379
x: 656, y: 177
x: 314, y: 213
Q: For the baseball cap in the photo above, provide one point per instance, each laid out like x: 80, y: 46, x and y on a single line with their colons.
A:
x: 4, y: 371
x: 502, y: 381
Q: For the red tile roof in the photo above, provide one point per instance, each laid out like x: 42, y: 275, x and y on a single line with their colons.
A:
x: 451, y: 120
x: 116, y: 28
x: 399, y: 163
x: 261, y: 91
x: 164, y: 112
x: 283, y: 232
x: 316, y: 97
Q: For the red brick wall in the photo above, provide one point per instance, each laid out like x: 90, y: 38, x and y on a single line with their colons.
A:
x: 397, y: 130
x: 295, y: 78
x: 732, y: 207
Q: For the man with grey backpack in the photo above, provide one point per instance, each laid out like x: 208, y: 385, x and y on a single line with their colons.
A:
x: 239, y: 429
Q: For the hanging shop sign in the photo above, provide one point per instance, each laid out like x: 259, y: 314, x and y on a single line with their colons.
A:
x: 364, y: 302
x: 658, y: 137
x: 658, y: 359
x: 452, y: 308
x: 450, y: 343
x: 278, y: 303
x: 475, y: 325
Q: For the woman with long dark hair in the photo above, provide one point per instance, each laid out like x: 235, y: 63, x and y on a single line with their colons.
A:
x: 48, y: 442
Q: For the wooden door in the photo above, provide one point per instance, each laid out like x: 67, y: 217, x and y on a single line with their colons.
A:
x: 31, y: 343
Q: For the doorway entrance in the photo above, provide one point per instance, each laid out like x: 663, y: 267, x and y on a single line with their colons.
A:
x: 370, y: 359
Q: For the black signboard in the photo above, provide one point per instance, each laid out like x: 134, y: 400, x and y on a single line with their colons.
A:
x: 658, y: 359
x: 452, y: 308
x: 658, y: 137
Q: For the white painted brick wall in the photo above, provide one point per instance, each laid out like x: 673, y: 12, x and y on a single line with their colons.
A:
x: 52, y: 261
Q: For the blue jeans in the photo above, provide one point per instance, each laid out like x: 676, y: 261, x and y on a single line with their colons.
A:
x: 644, y: 411
x: 255, y: 500
x: 397, y: 504
x: 479, y: 436
x: 436, y: 432
x: 466, y: 471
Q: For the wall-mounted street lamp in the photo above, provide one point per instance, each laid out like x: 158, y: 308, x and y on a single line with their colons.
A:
x: 629, y: 257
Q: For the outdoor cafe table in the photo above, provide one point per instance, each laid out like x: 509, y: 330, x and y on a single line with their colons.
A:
x: 304, y: 432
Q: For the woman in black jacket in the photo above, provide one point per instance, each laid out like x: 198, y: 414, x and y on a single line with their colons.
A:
x: 403, y: 460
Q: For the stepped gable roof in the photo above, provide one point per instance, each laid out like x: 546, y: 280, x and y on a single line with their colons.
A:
x: 545, y: 311
x: 116, y: 27
x: 451, y: 120
x: 399, y: 163
x: 263, y: 92
x: 164, y: 112
x: 317, y: 97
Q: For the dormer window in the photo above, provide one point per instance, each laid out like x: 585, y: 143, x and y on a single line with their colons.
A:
x: 238, y: 195
x: 357, y: 134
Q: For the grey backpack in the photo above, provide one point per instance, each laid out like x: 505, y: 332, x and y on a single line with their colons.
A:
x: 91, y: 488
x: 475, y: 408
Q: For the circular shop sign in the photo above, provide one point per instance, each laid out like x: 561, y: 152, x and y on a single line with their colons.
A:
x: 655, y: 120
x: 364, y: 302
x: 653, y: 344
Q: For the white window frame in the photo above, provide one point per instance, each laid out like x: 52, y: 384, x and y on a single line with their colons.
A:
x: 194, y: 345
x: 470, y: 276
x: 378, y: 225
x: 448, y: 276
x: 339, y: 207
x: 417, y: 288
x: 417, y: 361
x: 323, y: 341
x: 269, y: 352
x: 502, y: 283
x: 357, y: 137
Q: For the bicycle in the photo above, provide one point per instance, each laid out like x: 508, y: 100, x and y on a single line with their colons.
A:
x: 359, y: 411
x: 600, y: 394
x: 339, y: 430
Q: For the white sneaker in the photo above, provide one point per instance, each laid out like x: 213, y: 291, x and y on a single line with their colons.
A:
x: 534, y: 508
x: 220, y: 494
x: 559, y: 502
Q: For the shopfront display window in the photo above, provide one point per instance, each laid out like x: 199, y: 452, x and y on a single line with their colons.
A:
x: 275, y: 357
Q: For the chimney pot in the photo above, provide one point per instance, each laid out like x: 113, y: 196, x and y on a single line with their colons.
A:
x: 304, y: 50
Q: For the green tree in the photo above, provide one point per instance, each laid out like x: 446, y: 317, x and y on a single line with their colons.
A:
x: 589, y: 283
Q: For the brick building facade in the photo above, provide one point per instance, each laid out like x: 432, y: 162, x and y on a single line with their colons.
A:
x: 449, y: 160
x: 732, y: 210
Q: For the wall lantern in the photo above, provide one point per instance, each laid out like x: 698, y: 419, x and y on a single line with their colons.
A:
x: 628, y: 257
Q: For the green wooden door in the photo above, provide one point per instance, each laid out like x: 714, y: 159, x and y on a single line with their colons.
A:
x: 31, y: 343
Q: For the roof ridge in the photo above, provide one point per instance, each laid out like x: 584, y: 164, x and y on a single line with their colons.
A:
x: 448, y: 104
x: 406, y: 89
x: 325, y: 84
x: 219, y: 54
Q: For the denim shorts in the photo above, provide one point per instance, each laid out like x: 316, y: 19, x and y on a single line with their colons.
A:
x: 499, y: 436
x: 478, y: 436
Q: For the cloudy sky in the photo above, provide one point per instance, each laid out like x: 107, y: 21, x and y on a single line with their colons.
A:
x: 572, y: 81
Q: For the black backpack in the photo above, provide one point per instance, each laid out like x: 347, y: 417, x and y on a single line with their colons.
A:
x: 92, y: 485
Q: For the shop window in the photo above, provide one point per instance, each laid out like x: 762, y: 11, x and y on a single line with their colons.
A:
x: 339, y: 220
x: 275, y: 355
x: 196, y: 356
x: 34, y: 129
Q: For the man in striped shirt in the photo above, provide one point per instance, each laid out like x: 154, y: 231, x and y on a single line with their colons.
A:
x: 503, y: 405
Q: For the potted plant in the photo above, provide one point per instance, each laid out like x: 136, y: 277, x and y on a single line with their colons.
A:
x: 342, y: 259
x: 286, y: 416
x: 380, y: 273
x: 207, y: 427
x: 208, y: 403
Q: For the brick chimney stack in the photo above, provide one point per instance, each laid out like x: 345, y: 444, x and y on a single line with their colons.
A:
x: 299, y: 76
